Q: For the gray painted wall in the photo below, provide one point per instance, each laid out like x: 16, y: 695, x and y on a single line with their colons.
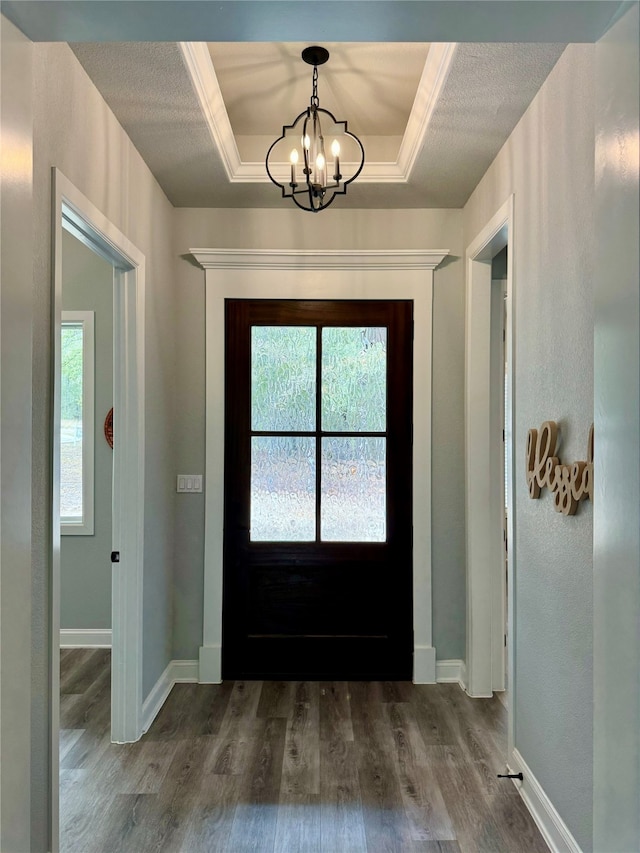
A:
x: 20, y: 783
x: 75, y: 131
x: 548, y: 163
x: 287, y: 228
x: 85, y: 567
x: 616, y: 790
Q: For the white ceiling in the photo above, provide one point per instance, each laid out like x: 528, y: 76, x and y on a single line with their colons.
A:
x: 373, y: 84
x: 432, y: 118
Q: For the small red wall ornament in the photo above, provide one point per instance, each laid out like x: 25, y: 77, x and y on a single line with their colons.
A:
x: 108, y: 428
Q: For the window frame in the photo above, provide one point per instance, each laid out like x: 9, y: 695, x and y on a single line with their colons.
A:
x: 85, y: 525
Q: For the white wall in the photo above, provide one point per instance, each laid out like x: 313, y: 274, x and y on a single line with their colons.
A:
x: 616, y: 793
x: 16, y: 776
x: 290, y: 228
x: 548, y: 164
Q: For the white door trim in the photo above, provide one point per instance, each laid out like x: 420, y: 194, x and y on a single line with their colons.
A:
x: 484, y: 505
x: 75, y: 213
x: 275, y: 274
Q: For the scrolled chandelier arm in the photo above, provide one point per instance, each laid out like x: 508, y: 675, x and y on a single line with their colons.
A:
x: 313, y: 181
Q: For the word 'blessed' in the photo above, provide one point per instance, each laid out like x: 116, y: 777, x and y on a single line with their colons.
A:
x: 569, y: 483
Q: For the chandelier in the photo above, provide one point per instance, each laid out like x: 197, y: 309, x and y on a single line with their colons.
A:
x: 311, y: 179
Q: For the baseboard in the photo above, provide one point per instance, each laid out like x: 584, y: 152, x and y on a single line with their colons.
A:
x: 424, y: 665
x: 554, y: 830
x: 85, y: 638
x: 184, y: 671
x: 177, y: 672
x: 211, y: 664
x: 452, y: 671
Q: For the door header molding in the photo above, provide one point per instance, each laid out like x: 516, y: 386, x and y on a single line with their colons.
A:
x: 320, y: 259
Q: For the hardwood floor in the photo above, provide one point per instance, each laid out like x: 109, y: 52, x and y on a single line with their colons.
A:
x: 288, y: 767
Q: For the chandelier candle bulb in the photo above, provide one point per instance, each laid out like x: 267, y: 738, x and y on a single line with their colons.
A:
x: 335, y: 150
x: 320, y: 166
x: 293, y: 158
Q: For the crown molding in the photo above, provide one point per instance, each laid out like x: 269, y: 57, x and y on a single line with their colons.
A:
x: 319, y: 259
x: 372, y: 173
x: 434, y: 76
x: 205, y: 83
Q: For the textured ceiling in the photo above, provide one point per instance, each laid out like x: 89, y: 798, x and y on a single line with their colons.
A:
x: 487, y: 89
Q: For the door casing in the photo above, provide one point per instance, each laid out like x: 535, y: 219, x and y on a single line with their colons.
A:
x: 325, y: 275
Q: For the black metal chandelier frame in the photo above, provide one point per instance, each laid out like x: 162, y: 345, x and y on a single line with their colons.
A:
x: 310, y: 189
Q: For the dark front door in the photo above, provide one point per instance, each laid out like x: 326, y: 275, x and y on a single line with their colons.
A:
x: 318, y: 531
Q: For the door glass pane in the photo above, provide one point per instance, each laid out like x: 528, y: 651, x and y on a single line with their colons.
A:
x: 283, y: 482
x: 354, y: 379
x: 353, y: 506
x: 283, y: 378
x: 71, y: 423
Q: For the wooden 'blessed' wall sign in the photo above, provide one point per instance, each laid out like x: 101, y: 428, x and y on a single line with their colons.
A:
x: 569, y: 483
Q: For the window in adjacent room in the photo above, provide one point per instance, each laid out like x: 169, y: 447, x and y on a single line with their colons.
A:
x: 77, y: 423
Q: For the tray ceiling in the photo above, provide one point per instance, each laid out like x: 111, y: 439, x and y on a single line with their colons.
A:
x: 432, y: 117
x: 265, y: 83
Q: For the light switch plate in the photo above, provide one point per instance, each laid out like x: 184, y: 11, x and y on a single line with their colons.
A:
x: 190, y: 483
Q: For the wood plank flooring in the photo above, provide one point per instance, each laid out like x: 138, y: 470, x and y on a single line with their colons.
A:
x: 288, y: 767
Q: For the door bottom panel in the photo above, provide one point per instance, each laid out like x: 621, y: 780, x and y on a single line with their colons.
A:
x: 319, y: 659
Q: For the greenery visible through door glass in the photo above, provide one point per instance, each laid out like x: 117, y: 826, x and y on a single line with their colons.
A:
x: 354, y: 379
x: 283, y: 488
x: 283, y: 378
x: 353, y: 506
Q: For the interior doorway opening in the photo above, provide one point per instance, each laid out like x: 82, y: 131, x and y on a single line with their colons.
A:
x: 73, y: 214
x: 499, y: 391
x: 490, y: 463
x: 86, y: 458
x: 86, y: 474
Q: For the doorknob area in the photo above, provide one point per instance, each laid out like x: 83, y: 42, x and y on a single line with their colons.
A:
x: 115, y: 556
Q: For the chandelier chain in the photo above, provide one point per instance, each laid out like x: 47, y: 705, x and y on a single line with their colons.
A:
x: 315, y: 101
